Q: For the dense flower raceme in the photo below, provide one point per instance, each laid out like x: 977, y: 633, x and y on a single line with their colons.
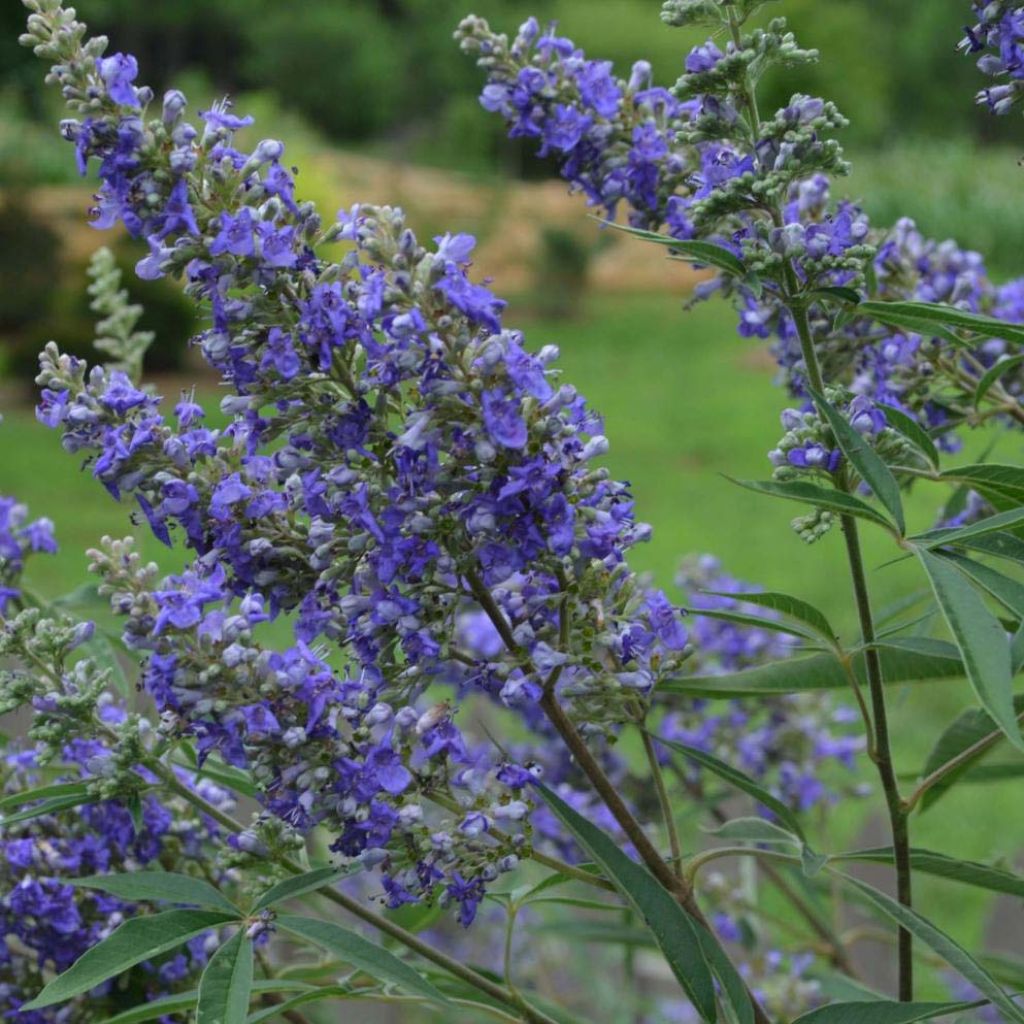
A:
x: 394, y: 459
x: 46, y: 922
x: 19, y: 538
x: 996, y: 41
x: 694, y: 160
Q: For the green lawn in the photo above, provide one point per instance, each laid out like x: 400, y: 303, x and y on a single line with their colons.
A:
x: 685, y: 401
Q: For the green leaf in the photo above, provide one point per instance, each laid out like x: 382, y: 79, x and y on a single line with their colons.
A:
x: 676, y: 933
x: 362, y: 954
x: 967, y: 872
x: 991, y: 524
x: 754, y: 621
x: 993, y: 374
x: 820, y: 497
x: 1008, y: 592
x: 159, y: 887
x: 299, y: 885
x: 793, y: 607
x: 740, y: 781
x: 138, y: 939
x: 184, y: 1002
x: 904, y: 660
x: 873, y: 471
x: 1007, y: 481
x: 695, y: 251
x: 998, y: 545
x: 893, y: 315
x: 971, y: 726
x: 850, y: 296
x: 755, y: 830
x: 733, y: 986
x: 947, y: 948
x: 938, y: 315
x: 882, y: 1012
x: 217, y: 771
x: 54, y: 805
x: 303, y: 999
x: 226, y: 985
x: 50, y: 792
x: 981, y: 640
x: 912, y: 431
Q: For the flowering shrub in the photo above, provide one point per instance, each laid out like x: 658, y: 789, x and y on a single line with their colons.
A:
x: 408, y: 643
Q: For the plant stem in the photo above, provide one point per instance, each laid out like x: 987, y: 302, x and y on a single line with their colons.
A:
x: 663, y: 802
x: 529, y: 1014
x: 680, y: 889
x: 898, y: 819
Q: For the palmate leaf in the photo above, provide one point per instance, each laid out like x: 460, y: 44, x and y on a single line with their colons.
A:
x: 981, y: 640
x: 299, y: 885
x: 904, y: 660
x: 675, y: 932
x: 820, y: 497
x: 226, y: 985
x: 882, y: 1012
x: 970, y: 727
x: 940, y: 943
x: 873, y: 471
x: 792, y: 607
x: 362, y: 954
x: 138, y: 939
x: 159, y: 887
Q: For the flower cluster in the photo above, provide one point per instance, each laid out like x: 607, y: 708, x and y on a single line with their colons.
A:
x: 997, y: 41
x: 19, y: 538
x: 46, y: 922
x: 698, y: 160
x: 395, y: 459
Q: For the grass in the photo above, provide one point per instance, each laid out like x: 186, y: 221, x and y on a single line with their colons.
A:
x: 685, y: 402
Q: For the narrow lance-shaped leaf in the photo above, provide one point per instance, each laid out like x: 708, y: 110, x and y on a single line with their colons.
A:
x: 299, y: 885
x: 882, y: 1012
x: 793, y: 607
x: 360, y: 953
x: 740, y: 781
x: 675, y: 932
x: 966, y: 872
x: 967, y: 730
x: 1008, y: 592
x: 989, y: 477
x: 936, y: 315
x: 159, y: 887
x: 226, y: 985
x: 50, y: 792
x: 904, y: 660
x: 138, y: 939
x: 54, y: 805
x: 820, y: 497
x: 185, y: 1002
x: 695, y: 251
x: 982, y: 642
x: 912, y: 431
x: 755, y: 621
x: 993, y: 374
x: 991, y: 524
x: 940, y: 943
x: 873, y: 471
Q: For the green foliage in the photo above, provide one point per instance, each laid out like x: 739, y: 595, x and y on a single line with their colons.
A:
x: 226, y: 985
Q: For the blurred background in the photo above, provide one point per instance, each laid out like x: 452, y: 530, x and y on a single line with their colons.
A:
x: 376, y: 104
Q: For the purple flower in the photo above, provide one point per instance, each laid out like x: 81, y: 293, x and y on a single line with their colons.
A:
x: 118, y: 72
